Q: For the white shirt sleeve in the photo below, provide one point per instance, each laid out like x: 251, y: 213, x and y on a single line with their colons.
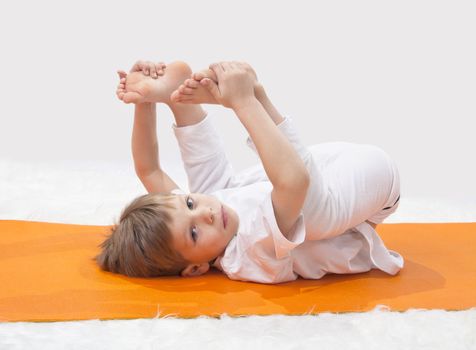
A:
x: 260, y: 252
x: 288, y: 129
x: 206, y: 164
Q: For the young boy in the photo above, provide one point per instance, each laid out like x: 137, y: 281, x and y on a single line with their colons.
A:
x: 303, y: 211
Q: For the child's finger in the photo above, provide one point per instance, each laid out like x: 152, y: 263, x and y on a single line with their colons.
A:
x: 212, y: 87
x: 217, y: 68
x: 152, y: 70
x: 138, y: 66
x: 227, y: 66
x: 238, y: 65
x: 244, y: 65
x: 122, y: 74
x: 159, y: 67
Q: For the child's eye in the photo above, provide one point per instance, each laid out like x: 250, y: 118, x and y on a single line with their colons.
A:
x: 189, y: 201
x: 194, y: 234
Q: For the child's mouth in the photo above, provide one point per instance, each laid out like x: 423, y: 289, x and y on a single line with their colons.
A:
x: 224, y: 216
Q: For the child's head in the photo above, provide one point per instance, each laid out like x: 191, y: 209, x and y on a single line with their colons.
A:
x: 166, y: 234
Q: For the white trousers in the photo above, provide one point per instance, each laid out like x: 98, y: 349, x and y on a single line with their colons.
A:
x: 350, y: 184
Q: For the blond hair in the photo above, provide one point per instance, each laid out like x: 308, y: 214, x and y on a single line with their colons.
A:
x: 140, y: 245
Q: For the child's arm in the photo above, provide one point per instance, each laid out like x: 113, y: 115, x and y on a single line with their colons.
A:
x: 285, y: 169
x: 145, y: 147
x: 272, y: 111
x: 145, y: 151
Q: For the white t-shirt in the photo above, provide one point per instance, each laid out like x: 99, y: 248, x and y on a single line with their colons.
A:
x: 261, y: 253
x: 350, y: 183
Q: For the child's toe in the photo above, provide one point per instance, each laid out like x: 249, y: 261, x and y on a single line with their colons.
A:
x: 175, y: 96
x: 198, y: 76
x: 185, y: 90
x: 191, y: 83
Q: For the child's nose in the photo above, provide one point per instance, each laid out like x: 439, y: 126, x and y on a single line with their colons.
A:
x: 209, y: 216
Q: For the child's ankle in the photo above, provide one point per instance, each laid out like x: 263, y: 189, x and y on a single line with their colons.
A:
x: 187, y: 114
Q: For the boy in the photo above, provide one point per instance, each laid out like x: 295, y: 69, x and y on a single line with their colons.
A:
x: 304, y: 212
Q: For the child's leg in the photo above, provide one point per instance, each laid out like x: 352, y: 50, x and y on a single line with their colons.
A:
x: 351, y: 183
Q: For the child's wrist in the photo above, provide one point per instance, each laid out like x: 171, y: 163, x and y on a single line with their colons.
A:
x: 259, y: 91
x: 250, y: 102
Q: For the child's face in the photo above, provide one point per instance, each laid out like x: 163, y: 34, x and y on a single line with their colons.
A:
x: 198, y: 227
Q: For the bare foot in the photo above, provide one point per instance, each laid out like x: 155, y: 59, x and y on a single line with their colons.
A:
x: 139, y: 88
x: 191, y: 91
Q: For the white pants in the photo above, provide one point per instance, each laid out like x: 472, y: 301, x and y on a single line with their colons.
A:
x: 350, y: 184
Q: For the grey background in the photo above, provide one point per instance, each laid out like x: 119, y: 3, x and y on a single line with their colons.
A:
x: 400, y: 75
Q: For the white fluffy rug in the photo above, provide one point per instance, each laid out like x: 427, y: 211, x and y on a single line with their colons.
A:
x: 95, y: 193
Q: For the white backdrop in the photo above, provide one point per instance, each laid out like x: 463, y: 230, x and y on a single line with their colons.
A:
x: 400, y: 75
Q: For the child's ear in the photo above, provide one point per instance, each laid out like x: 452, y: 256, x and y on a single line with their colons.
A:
x: 193, y: 270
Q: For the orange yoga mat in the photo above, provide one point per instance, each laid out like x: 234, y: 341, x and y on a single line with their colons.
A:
x: 46, y: 274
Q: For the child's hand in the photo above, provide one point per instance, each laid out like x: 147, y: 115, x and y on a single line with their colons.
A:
x: 235, y: 84
x: 121, y: 88
x: 154, y: 70
x: 149, y: 68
